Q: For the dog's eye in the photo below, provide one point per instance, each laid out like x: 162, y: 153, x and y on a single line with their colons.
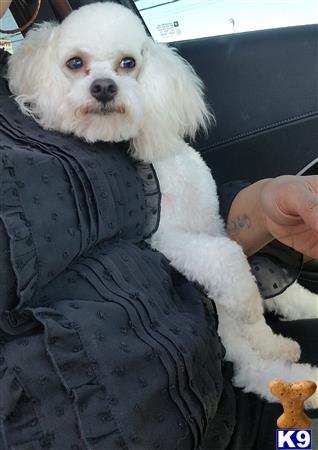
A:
x: 127, y: 63
x: 75, y: 63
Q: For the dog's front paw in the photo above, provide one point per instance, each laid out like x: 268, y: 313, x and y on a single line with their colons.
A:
x: 269, y: 345
x: 289, y: 350
x: 276, y: 347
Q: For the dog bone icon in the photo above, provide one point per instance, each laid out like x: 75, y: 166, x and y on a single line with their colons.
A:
x: 292, y: 397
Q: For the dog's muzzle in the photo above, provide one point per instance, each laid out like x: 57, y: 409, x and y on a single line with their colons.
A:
x: 104, y: 90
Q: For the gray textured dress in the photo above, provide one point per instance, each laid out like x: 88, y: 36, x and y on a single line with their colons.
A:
x: 99, y: 350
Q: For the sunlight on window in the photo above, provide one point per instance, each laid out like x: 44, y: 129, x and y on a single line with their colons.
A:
x: 9, y: 41
x: 172, y: 20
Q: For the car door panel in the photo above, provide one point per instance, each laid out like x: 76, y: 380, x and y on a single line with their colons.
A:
x: 262, y: 87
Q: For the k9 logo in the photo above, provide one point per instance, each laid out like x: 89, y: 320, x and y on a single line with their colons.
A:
x: 296, y: 439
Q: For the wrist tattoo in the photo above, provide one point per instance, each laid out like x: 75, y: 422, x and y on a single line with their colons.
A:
x: 242, y: 222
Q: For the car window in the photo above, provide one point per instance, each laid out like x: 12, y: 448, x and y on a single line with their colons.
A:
x: 174, y: 20
x: 9, y: 41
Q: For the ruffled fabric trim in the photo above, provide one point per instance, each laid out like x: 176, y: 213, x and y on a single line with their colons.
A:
x: 275, y: 267
x: 18, y: 227
x: 152, y: 192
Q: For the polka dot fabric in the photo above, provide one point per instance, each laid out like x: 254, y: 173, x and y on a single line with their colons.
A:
x: 57, y: 201
x: 103, y: 345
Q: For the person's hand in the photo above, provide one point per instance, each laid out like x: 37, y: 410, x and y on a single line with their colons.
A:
x: 290, y: 207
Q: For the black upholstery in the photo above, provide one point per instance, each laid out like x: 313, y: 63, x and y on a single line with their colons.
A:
x: 262, y: 87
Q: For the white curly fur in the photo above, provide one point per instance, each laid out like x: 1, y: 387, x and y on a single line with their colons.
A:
x: 159, y: 103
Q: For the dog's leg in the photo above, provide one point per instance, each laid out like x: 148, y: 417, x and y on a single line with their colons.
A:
x: 219, y: 265
x: 253, y: 373
x: 261, y: 338
x: 191, y: 235
x: 295, y: 303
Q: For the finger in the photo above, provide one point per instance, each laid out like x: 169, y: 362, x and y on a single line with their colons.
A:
x: 305, y: 203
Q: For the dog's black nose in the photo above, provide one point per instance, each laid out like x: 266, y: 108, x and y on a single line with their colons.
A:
x: 104, y: 89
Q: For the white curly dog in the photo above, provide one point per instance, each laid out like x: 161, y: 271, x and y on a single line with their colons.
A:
x: 99, y: 76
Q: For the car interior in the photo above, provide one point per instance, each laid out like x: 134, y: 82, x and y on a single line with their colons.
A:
x: 262, y: 87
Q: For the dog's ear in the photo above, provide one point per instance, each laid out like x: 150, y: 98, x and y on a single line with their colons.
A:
x: 32, y: 79
x: 173, y: 94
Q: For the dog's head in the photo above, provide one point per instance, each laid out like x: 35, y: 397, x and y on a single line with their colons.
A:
x: 98, y: 75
